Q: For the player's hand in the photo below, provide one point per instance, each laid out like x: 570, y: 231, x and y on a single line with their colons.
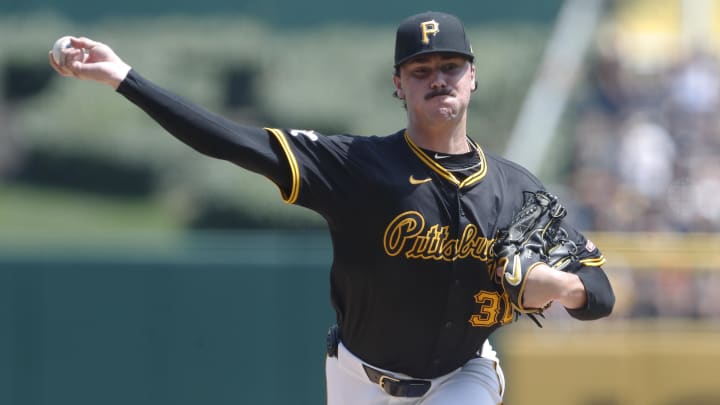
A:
x: 546, y: 284
x: 91, y: 60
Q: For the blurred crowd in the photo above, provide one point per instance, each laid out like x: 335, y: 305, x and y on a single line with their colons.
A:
x: 647, y: 141
x: 647, y: 145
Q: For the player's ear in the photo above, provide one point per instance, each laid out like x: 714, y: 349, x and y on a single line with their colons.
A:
x: 398, y: 87
x: 473, y: 77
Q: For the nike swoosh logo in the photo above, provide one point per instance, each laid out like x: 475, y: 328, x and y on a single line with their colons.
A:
x: 516, y: 276
x: 439, y: 156
x: 415, y: 181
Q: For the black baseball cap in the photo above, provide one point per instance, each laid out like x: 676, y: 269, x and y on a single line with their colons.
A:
x: 431, y: 32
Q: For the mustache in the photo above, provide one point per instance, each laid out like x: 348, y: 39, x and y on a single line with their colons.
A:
x: 439, y: 92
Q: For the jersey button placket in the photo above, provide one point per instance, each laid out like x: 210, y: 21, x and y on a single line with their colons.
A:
x: 461, y: 211
x: 448, y: 330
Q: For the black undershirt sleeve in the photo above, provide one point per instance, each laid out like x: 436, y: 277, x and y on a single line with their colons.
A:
x: 252, y: 148
x: 600, y: 296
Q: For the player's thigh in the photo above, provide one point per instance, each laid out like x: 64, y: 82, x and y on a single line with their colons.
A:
x: 479, y: 382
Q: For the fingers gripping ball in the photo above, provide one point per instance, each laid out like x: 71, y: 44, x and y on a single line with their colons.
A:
x: 61, y: 58
x: 527, y: 243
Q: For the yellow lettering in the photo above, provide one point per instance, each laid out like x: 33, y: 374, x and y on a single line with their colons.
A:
x: 407, y: 234
x: 403, y: 228
x: 483, y: 249
x: 418, y: 249
x: 468, y: 240
x: 436, y: 239
x: 432, y: 238
x: 449, y: 249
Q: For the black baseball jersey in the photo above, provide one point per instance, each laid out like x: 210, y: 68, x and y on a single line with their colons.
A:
x: 410, y: 281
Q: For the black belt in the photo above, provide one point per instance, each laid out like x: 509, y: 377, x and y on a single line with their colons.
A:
x: 397, y: 387
x: 391, y: 385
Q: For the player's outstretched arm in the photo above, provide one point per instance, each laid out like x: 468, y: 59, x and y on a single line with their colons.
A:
x: 90, y: 60
x: 211, y: 134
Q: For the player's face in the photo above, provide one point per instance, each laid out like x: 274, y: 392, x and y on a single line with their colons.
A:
x: 436, y: 86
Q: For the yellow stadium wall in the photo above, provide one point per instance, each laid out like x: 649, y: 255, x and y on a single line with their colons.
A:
x: 638, y: 363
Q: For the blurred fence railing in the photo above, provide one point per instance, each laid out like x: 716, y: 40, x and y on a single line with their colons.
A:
x: 202, y: 320
x: 661, y: 251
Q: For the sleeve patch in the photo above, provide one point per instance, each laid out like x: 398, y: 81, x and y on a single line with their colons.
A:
x: 590, y: 246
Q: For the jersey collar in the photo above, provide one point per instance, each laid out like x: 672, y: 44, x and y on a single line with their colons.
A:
x: 443, y: 172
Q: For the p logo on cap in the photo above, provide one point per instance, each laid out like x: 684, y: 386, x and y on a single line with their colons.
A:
x: 429, y: 28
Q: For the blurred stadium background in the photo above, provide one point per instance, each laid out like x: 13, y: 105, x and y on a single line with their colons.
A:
x: 133, y: 270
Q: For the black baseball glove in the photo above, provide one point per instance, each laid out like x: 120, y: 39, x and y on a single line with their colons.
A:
x: 534, y: 236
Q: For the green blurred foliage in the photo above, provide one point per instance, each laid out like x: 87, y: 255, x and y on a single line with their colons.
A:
x: 335, y: 79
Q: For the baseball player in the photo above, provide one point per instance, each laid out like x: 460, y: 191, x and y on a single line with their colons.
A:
x: 411, y: 216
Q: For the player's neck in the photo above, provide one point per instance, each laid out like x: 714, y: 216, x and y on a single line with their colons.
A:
x: 450, y: 139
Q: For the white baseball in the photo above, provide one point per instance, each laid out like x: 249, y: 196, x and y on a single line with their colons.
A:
x: 60, y: 44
